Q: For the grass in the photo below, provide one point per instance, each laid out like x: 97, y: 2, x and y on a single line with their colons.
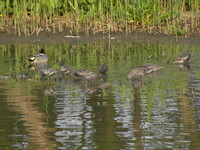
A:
x: 171, y: 17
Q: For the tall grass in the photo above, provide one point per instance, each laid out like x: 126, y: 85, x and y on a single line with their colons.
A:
x: 28, y: 17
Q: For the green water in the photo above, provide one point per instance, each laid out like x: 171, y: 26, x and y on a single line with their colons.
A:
x: 158, y: 111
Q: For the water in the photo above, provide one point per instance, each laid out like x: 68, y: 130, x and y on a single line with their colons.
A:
x: 159, y: 111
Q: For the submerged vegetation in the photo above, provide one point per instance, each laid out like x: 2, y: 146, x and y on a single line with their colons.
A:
x: 171, y: 17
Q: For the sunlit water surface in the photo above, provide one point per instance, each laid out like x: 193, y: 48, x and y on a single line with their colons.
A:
x: 158, y: 111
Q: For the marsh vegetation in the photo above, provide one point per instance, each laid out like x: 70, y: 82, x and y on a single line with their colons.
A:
x: 171, y: 17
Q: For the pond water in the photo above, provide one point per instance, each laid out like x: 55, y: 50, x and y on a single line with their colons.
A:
x: 158, y: 111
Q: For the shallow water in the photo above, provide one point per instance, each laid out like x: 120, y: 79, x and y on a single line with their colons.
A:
x: 158, y: 111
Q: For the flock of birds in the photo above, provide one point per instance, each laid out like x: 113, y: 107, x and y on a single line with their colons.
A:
x: 42, y: 58
x: 40, y: 62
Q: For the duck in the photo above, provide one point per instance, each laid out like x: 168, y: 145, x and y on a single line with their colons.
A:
x: 65, y: 69
x: 87, y: 75
x: 41, y: 57
x: 38, y: 66
x: 48, y: 71
x: 142, y: 70
x: 103, y: 68
x: 183, y: 66
x: 183, y: 59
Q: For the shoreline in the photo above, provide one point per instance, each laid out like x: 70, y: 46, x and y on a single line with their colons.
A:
x: 59, y: 37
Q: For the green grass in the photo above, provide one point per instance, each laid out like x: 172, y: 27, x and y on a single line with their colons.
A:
x: 28, y: 17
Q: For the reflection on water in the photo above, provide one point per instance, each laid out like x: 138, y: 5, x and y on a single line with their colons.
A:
x: 156, y: 111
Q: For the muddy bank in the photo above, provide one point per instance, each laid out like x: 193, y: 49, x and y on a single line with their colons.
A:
x: 65, y: 37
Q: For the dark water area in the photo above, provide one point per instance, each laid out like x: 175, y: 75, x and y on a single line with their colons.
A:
x: 160, y: 110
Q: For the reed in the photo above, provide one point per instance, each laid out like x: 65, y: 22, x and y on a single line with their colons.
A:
x: 28, y: 17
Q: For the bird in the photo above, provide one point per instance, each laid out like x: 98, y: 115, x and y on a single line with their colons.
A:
x: 40, y: 57
x: 183, y: 59
x: 48, y: 71
x: 38, y: 66
x: 142, y: 70
x: 103, y: 68
x: 87, y: 75
x: 65, y: 69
